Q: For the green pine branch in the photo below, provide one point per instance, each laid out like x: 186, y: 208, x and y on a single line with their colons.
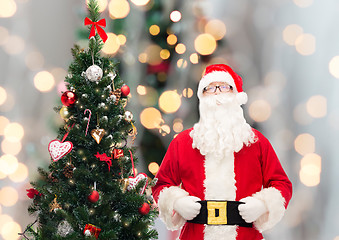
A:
x: 93, y: 9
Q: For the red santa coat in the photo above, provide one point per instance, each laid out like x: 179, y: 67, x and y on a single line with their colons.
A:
x: 253, y: 171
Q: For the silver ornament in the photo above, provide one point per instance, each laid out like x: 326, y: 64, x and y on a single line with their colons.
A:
x: 94, y: 73
x: 101, y: 105
x: 64, y: 228
x: 112, y: 75
x: 128, y: 116
x: 117, y: 216
x: 120, y: 118
x: 85, y: 95
x: 104, y: 119
x: 109, y: 88
x: 113, y: 97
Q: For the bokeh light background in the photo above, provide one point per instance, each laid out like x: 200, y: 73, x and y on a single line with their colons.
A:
x: 286, y: 50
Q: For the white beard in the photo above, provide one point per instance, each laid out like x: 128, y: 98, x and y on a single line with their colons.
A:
x: 222, y: 128
x: 221, y: 131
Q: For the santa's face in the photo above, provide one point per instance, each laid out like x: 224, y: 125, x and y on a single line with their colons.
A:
x: 222, y: 127
x: 216, y: 88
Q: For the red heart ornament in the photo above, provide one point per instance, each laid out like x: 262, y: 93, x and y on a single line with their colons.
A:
x: 133, y: 182
x: 59, y: 149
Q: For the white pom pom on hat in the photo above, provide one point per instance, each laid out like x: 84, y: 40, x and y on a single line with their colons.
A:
x: 241, y: 98
x: 223, y: 73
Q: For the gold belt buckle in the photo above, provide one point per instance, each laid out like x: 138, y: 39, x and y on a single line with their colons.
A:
x: 216, y: 212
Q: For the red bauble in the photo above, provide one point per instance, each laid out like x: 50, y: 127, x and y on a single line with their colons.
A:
x: 94, y: 197
x: 144, y: 209
x: 125, y: 90
x: 68, y: 98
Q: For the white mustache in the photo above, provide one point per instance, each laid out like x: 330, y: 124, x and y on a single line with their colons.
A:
x: 219, y: 99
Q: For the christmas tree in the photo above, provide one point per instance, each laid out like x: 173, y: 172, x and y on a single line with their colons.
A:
x: 91, y: 189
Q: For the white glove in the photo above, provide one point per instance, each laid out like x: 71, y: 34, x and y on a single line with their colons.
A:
x: 187, y: 207
x: 252, y: 209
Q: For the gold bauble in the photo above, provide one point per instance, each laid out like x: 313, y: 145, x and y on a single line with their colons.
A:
x: 64, y: 113
x: 124, y: 184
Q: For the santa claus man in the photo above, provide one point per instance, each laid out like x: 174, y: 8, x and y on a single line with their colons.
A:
x: 221, y: 179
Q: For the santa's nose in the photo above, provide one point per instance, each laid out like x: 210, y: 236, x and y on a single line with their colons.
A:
x: 217, y: 90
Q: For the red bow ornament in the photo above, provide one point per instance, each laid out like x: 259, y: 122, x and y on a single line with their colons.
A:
x: 31, y: 193
x: 97, y: 25
x: 104, y: 158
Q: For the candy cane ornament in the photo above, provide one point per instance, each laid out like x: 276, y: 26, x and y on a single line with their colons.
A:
x: 89, y: 119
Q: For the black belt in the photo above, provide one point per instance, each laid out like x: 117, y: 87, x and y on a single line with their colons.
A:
x: 214, y: 212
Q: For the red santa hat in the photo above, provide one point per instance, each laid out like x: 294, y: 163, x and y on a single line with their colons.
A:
x: 222, y: 73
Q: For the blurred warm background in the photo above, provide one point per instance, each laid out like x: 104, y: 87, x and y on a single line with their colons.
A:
x: 287, y: 52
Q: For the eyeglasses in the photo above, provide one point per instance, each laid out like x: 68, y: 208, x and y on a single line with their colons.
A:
x: 222, y: 88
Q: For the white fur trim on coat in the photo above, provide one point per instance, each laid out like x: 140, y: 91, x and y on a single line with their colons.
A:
x: 167, y: 197
x: 220, y: 185
x: 275, y: 203
x: 215, y: 77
